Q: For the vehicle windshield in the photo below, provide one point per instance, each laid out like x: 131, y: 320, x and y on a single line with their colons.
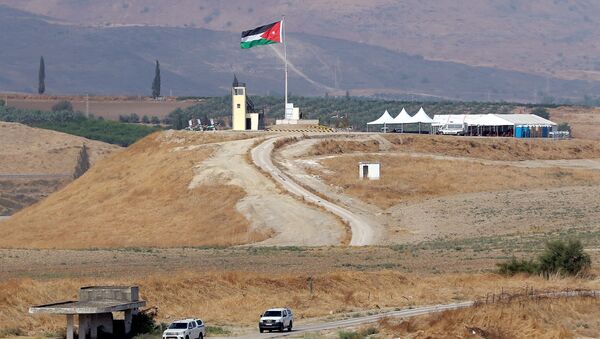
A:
x: 454, y: 126
x: 178, y: 326
x: 272, y: 314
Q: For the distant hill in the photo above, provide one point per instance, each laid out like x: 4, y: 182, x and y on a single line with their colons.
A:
x: 119, y: 60
x: 557, y: 38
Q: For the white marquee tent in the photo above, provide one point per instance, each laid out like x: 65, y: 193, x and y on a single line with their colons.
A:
x: 421, y: 118
x: 384, y: 120
x: 402, y: 118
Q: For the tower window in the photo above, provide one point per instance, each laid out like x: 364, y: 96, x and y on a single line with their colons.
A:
x: 239, y: 106
x: 239, y: 91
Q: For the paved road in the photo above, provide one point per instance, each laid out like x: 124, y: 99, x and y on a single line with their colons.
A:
x: 363, y: 233
x: 305, y: 328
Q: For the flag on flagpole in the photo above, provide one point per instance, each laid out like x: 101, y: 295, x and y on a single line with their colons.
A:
x: 263, y: 35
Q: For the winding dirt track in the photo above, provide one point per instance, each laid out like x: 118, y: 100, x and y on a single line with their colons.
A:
x: 363, y: 233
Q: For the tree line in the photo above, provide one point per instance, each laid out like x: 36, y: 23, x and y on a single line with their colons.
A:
x: 156, y: 85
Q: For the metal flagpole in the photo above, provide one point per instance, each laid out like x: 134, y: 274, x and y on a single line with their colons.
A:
x: 286, y: 65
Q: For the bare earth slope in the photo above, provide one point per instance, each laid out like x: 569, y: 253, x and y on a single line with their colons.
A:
x: 36, y: 162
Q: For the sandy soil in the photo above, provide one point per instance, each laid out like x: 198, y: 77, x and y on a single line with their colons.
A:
x: 584, y: 121
x: 264, y: 205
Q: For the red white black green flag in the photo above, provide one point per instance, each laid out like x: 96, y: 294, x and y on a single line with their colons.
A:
x: 263, y: 35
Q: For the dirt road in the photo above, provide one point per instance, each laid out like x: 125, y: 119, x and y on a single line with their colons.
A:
x: 363, y: 233
x: 268, y: 209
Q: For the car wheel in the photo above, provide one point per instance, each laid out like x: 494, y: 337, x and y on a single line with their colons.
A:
x: 187, y: 337
x: 200, y: 336
x: 261, y: 330
x: 281, y: 328
x: 290, y: 327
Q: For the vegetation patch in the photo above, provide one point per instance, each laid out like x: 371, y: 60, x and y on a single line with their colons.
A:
x: 559, y: 258
x: 76, y: 123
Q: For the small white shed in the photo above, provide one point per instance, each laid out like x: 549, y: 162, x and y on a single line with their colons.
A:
x: 369, y: 170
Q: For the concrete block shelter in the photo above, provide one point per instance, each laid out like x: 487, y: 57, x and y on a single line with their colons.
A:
x: 369, y: 170
x: 95, y: 309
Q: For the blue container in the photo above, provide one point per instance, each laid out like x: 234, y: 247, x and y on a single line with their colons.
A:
x: 518, y: 132
x: 545, y: 131
x: 526, y: 132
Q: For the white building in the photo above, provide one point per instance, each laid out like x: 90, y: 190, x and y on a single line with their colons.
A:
x: 369, y: 170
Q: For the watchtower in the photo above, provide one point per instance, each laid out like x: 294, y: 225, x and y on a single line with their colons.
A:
x: 244, y: 117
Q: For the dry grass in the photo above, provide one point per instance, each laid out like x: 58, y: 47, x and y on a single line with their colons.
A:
x: 584, y: 121
x: 497, y: 148
x: 212, y: 296
x: 405, y: 178
x: 332, y: 146
x: 138, y: 197
x: 25, y: 150
x: 524, y: 318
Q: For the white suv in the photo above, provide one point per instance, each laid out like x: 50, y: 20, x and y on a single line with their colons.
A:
x: 185, y: 329
x: 276, y: 319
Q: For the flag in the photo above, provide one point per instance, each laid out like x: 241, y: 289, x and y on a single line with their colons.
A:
x: 263, y: 35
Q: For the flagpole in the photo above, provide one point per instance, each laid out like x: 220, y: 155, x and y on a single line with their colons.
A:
x: 286, y: 65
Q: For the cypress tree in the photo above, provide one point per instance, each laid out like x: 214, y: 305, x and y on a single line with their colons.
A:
x: 42, y: 77
x: 156, y: 82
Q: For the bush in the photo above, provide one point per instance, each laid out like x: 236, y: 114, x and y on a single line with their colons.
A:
x: 2, y: 103
x: 541, y: 112
x: 124, y: 118
x: 559, y: 257
x: 145, y: 119
x: 134, y: 118
x: 63, y: 106
x: 564, y: 127
x: 515, y: 266
x: 155, y: 120
x: 564, y: 258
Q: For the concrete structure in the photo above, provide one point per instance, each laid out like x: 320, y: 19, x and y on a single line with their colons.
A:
x: 294, y: 117
x: 369, y: 170
x: 95, y: 309
x: 244, y: 117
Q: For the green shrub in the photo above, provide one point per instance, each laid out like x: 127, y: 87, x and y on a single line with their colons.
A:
x: 2, y: 103
x: 564, y: 127
x: 564, y: 258
x: 63, y: 106
x: 541, y: 112
x: 515, y: 266
x: 559, y: 257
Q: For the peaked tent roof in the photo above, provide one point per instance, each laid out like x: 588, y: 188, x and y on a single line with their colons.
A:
x: 386, y: 118
x: 402, y: 118
x: 421, y: 117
